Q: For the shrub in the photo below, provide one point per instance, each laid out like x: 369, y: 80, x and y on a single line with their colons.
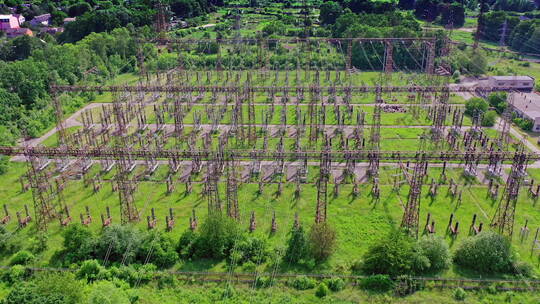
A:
x: 47, y: 288
x: 335, y: 284
x: 489, y: 118
x: 322, y: 291
x: 78, y: 243
x: 22, y: 257
x: 322, y: 239
x: 436, y: 250
x: 405, y: 285
x: 394, y: 254
x: 250, y: 249
x: 378, y: 282
x: 264, y: 282
x: 15, y: 274
x: 216, y: 237
x: 487, y: 252
x: 119, y: 243
x: 475, y: 106
x: 89, y: 270
x: 158, y: 249
x: 302, y: 283
x: 39, y: 243
x: 134, y: 273
x: 105, y: 292
x: 297, y: 246
x: 523, y: 268
x: 459, y: 294
x: 186, y: 244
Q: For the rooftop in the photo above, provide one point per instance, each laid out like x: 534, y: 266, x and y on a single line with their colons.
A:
x: 511, y: 77
x: 528, y: 103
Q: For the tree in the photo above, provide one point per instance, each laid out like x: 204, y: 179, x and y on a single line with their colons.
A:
x: 330, y: 11
x: 394, y: 255
x: 47, y: 288
x: 216, y: 237
x: 486, y: 252
x: 436, y: 250
x: 476, y: 106
x: 322, y: 239
x: 497, y: 100
x: 452, y: 13
x: 78, y: 243
x: 489, y: 118
x: 426, y: 9
x: 297, y: 245
x: 119, y: 243
x: 19, y: 48
x: 78, y: 9
x: 158, y: 249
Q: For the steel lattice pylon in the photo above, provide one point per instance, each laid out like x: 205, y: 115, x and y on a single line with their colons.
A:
x: 322, y: 186
x: 412, y: 209
x: 503, y: 219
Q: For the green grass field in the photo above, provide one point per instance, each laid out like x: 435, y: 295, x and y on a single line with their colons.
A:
x: 359, y: 221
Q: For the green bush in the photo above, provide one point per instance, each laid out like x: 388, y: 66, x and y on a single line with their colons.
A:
x: 264, y: 282
x: 79, y: 244
x: 105, y: 292
x: 489, y: 118
x: 406, y: 285
x: 15, y: 274
x: 378, y: 282
x: 322, y: 291
x: 134, y: 274
x: 119, y: 243
x: 475, y: 106
x: 335, y: 284
x: 498, y: 101
x: 322, y: 239
x: 487, y: 252
x: 217, y: 236
x: 436, y: 250
x: 22, y: 257
x: 157, y: 248
x: 394, y: 254
x: 186, y: 244
x: 249, y: 249
x: 47, y: 288
x: 90, y: 270
x: 38, y: 244
x: 522, y: 268
x: 459, y: 294
x: 302, y: 283
x: 297, y: 246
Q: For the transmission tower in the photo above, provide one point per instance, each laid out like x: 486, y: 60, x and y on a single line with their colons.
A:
x: 412, y: 209
x: 504, y: 216
x: 322, y: 184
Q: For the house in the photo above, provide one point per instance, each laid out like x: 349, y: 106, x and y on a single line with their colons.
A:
x: 520, y: 83
x: 69, y: 20
x: 19, y: 32
x: 11, y: 25
x: 527, y: 105
x: 41, y: 20
x: 10, y: 22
